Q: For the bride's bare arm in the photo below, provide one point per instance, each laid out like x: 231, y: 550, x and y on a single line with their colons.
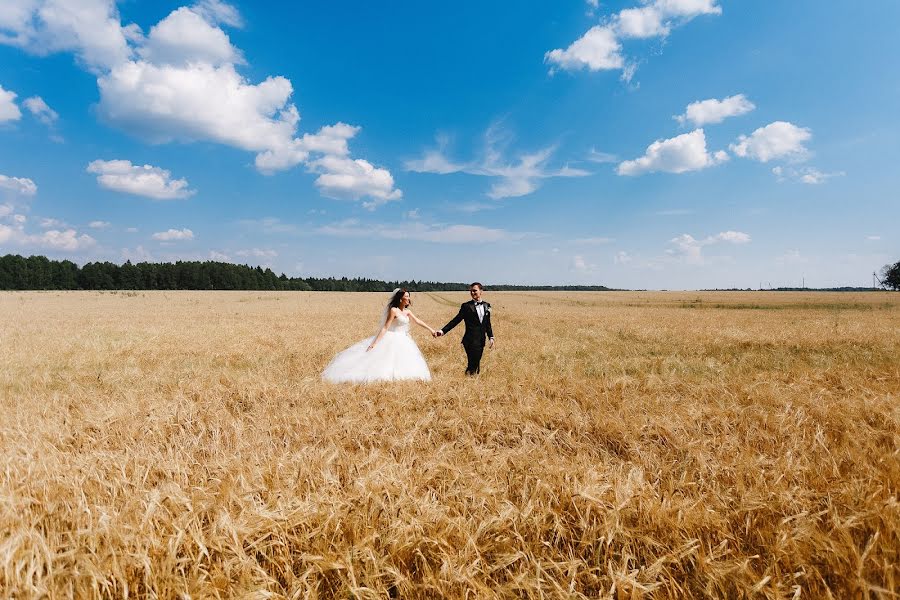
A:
x: 387, y: 323
x: 421, y: 322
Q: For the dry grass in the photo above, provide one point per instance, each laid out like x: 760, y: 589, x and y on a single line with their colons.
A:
x: 625, y: 445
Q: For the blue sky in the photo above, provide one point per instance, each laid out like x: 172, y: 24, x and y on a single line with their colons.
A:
x: 674, y: 144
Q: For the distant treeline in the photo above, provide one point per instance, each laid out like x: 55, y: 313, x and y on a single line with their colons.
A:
x: 40, y: 273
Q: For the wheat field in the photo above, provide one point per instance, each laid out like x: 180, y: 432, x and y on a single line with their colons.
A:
x: 616, y: 445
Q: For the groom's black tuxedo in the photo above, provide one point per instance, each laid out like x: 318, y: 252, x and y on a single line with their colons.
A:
x: 476, y: 332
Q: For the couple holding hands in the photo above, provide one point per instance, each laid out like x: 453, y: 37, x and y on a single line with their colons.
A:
x: 392, y: 355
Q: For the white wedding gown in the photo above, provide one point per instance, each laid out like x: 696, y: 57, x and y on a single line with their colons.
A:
x: 395, y: 357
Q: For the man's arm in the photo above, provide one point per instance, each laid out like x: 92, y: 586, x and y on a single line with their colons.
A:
x: 487, y: 326
x: 453, y: 322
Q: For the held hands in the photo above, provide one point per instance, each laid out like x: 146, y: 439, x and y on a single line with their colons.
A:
x: 437, y: 333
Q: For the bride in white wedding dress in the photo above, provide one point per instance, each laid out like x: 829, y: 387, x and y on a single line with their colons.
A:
x: 390, y: 355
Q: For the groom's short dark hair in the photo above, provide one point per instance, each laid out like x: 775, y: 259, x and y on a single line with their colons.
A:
x: 480, y: 287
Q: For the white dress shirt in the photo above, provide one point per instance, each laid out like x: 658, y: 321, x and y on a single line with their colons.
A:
x: 479, y: 308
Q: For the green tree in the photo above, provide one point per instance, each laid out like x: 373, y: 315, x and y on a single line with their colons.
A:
x: 65, y: 275
x: 130, y: 277
x: 13, y: 272
x: 890, y: 276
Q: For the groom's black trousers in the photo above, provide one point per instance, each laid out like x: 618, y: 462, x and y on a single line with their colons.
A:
x: 474, y: 353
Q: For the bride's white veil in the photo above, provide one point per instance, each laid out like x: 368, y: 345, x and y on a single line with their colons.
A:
x: 384, y: 313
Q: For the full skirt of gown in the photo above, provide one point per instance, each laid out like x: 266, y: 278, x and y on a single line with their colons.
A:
x: 395, y: 358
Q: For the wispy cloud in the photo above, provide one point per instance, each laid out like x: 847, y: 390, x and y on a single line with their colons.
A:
x: 601, y: 157
x: 594, y: 241
x: 269, y: 225
x: 50, y: 223
x: 516, y: 178
x: 807, y: 175
x: 690, y: 250
x: 440, y: 233
x: 41, y: 111
x: 473, y: 207
x: 257, y: 253
x: 791, y: 257
x: 673, y: 212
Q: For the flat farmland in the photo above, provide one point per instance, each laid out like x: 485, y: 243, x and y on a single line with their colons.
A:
x: 616, y: 445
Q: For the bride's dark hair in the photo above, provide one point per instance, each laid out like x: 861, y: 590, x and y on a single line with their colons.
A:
x: 398, y: 296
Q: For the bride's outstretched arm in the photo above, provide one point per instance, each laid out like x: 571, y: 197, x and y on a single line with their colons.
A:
x: 421, y: 322
x: 384, y: 328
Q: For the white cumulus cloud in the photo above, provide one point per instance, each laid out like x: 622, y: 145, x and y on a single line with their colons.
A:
x: 641, y: 22
x: 187, y: 36
x: 779, y: 139
x: 90, y: 28
x: 687, y: 9
x: 173, y: 235
x: 180, y: 82
x: 57, y: 235
x: 600, y: 48
x: 714, y: 111
x: 345, y: 178
x: 99, y: 224
x: 52, y: 239
x: 20, y: 186
x: 9, y: 111
x: 199, y: 101
x: 683, y: 153
x: 67, y: 239
x: 139, y: 254
x: 146, y: 180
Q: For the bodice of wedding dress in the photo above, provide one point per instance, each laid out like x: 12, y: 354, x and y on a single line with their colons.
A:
x: 400, y: 324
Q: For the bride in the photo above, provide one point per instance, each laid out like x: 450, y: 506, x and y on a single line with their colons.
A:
x: 390, y: 355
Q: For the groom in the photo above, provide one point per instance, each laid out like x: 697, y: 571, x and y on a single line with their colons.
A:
x: 477, y: 315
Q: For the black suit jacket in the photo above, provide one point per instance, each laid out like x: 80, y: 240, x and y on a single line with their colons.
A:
x: 476, y: 331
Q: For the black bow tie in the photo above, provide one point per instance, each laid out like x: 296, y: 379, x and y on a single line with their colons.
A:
x: 479, y: 303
